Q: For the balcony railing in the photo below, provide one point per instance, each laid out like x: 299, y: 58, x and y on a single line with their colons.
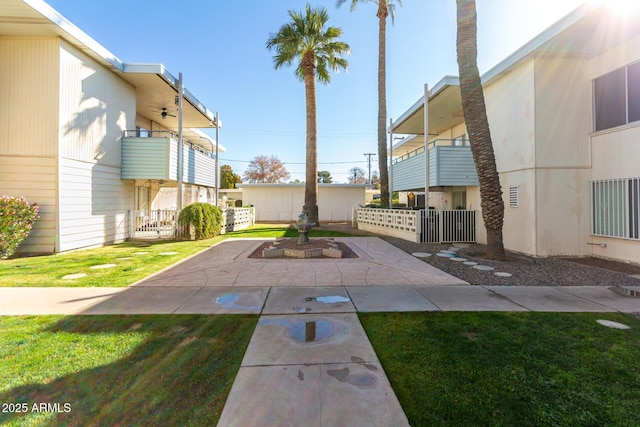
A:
x: 154, y: 155
x: 166, y: 134
x: 450, y: 164
x: 437, y: 142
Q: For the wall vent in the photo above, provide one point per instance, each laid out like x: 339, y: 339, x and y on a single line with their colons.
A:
x: 514, y: 196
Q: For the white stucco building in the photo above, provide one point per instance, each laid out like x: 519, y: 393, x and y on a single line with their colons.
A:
x: 564, y: 113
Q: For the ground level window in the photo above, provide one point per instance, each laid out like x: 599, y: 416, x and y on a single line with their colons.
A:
x: 616, y: 208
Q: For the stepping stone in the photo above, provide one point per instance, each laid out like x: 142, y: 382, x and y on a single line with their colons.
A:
x: 611, y: 324
x: 74, y: 276
x: 141, y: 253
x: 421, y: 254
x: 461, y: 245
x: 167, y: 253
x: 101, y: 266
x: 483, y: 267
x: 445, y: 255
x: 454, y: 249
x: 444, y: 251
x: 501, y: 274
x: 124, y: 259
x: 470, y: 263
x: 458, y: 259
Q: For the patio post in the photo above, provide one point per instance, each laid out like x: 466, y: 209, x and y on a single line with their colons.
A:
x: 180, y: 146
x: 217, y: 158
x: 390, y: 163
x: 426, y: 147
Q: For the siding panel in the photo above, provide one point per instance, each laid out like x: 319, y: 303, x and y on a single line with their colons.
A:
x: 37, y: 185
x: 93, y: 204
x: 95, y: 107
x: 29, y: 96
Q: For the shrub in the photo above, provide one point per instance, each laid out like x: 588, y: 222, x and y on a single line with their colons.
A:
x: 16, y: 219
x: 205, y: 219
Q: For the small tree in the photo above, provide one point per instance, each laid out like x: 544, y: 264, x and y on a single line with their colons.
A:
x: 263, y: 169
x: 357, y: 175
x: 228, y: 179
x: 206, y: 219
x: 324, y: 177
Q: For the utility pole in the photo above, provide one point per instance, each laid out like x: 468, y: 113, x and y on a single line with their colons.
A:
x: 369, y: 159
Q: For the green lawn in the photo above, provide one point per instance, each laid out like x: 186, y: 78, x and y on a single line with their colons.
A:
x: 508, y: 369
x: 133, y: 260
x: 120, y: 370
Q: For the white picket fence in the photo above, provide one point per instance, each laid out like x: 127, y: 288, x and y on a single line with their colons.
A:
x: 162, y: 223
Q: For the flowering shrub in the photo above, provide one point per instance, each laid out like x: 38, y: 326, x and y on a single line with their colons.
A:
x: 16, y: 219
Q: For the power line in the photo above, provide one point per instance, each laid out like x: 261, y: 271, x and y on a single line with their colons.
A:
x: 300, y: 163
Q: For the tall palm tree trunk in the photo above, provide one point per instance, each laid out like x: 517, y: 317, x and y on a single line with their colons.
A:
x: 475, y: 116
x: 382, y: 14
x: 311, y: 175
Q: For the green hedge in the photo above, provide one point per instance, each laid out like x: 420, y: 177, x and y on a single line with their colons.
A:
x: 205, y: 219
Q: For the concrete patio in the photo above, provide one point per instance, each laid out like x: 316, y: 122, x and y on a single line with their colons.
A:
x: 309, y: 361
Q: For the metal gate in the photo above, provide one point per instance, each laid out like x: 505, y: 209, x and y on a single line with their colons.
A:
x: 448, y: 226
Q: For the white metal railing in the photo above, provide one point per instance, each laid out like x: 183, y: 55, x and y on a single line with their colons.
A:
x: 153, y: 224
x: 615, y: 208
x: 162, y: 223
x: 433, y: 226
x: 448, y: 226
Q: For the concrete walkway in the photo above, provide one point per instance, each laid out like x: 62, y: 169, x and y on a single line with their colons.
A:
x: 309, y: 361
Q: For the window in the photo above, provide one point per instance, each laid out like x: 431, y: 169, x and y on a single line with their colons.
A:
x: 617, y: 97
x: 459, y: 199
x: 615, y: 207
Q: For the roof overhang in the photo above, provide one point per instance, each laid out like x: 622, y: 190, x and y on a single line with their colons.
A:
x: 445, y: 110
x: 589, y: 30
x: 156, y: 88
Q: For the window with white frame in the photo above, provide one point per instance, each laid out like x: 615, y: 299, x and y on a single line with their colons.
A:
x: 616, y: 97
x: 615, y: 205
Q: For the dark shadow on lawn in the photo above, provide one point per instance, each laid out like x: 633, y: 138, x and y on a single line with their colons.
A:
x: 180, y: 375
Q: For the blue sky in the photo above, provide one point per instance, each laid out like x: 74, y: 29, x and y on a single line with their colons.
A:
x: 219, y: 46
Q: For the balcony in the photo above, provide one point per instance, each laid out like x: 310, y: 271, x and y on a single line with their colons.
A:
x: 154, y: 155
x: 450, y: 164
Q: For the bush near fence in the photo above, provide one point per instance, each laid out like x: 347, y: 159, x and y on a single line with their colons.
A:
x: 204, y: 218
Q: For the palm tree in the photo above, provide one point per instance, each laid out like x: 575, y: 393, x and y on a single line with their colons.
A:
x: 385, y: 8
x: 475, y: 116
x: 316, y: 51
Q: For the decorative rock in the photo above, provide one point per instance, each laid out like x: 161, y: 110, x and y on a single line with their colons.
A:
x: 101, y: 266
x: 444, y: 255
x: 458, y: 259
x: 470, y: 263
x: 611, y: 324
x: 483, y: 267
x: 502, y: 274
x: 74, y: 276
x: 421, y: 254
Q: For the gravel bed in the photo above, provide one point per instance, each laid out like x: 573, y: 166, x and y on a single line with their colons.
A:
x: 524, y: 270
